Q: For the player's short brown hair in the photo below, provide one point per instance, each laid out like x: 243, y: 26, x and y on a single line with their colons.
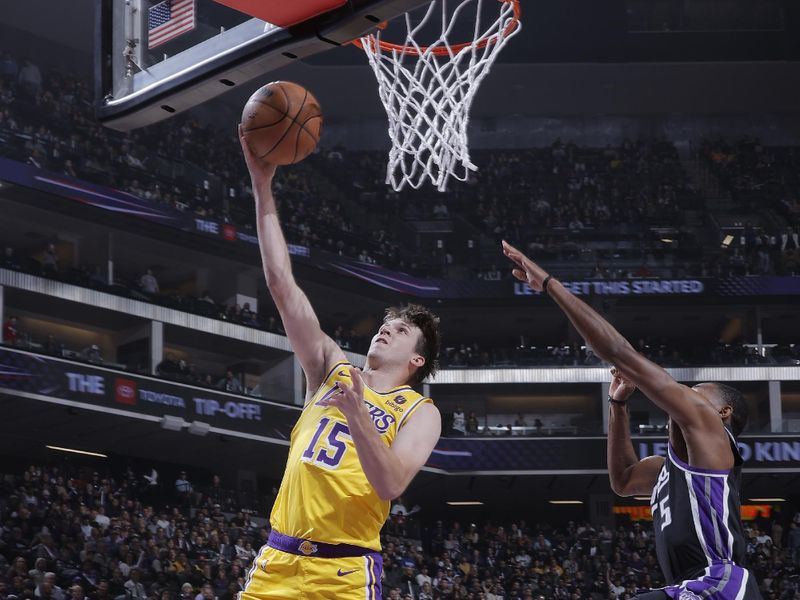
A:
x: 429, y: 341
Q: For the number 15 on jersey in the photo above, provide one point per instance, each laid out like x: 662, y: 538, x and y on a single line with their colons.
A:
x: 327, y: 447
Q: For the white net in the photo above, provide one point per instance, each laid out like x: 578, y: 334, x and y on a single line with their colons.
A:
x: 428, y: 91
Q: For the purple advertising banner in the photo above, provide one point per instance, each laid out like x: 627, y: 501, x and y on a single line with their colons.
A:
x: 102, y: 389
x: 99, y: 389
x: 129, y: 205
x: 565, y: 454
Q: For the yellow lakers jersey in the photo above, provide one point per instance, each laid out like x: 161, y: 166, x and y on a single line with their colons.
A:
x: 325, y: 495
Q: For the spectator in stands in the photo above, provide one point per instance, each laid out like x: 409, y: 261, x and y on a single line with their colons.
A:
x: 187, y: 593
x: 459, y: 424
x: 790, y: 239
x: 98, y: 279
x: 206, y: 593
x: 247, y: 316
x: 92, y: 354
x: 472, y: 424
x: 793, y: 543
x: 149, y: 283
x: 48, y: 588
x: 183, y: 487
x: 10, y: 260
x: 521, y: 425
x: 10, y: 331
x: 230, y: 383
x: 53, y: 346
x: 68, y: 169
x: 169, y: 367
x: 50, y: 261
x: 29, y: 78
x: 8, y: 67
x: 38, y: 571
x: 134, y: 589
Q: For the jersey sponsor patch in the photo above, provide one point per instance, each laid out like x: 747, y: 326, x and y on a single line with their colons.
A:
x: 395, y: 403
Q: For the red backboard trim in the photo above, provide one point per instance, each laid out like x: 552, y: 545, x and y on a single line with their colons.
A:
x: 284, y: 13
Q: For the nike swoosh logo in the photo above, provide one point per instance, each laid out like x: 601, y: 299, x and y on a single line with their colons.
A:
x: 341, y: 573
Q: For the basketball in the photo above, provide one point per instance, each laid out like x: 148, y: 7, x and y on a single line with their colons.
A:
x: 281, y: 122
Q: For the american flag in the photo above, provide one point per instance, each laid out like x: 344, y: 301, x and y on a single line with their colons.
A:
x: 169, y: 19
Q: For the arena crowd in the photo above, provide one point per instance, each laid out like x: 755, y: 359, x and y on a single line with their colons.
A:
x: 72, y: 533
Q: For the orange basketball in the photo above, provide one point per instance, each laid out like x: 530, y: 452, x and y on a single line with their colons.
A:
x: 281, y: 123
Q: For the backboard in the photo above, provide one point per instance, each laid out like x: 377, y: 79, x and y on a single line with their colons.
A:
x: 157, y: 58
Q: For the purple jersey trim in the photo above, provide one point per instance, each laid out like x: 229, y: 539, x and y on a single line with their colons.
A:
x: 684, y: 466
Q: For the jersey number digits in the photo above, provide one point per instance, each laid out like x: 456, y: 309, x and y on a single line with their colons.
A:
x: 330, y: 452
x: 663, y: 506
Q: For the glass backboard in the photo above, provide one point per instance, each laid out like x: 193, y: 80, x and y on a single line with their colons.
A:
x: 157, y: 58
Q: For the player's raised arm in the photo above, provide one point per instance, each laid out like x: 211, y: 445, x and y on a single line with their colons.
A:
x: 685, y: 406
x: 628, y: 475
x: 315, y: 350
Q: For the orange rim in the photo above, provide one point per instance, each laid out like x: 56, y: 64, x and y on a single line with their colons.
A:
x: 443, y: 51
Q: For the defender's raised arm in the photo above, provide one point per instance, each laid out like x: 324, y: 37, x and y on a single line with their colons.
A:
x: 689, y: 409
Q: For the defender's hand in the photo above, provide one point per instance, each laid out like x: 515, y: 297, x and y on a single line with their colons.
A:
x: 526, y: 270
x: 261, y: 172
x: 620, y: 388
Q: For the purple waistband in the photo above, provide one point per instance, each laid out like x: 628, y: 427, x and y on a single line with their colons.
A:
x: 301, y: 547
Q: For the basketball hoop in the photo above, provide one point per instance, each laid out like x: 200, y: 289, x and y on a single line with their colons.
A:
x: 427, y: 91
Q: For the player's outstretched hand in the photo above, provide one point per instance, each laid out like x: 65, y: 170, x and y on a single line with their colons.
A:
x: 261, y: 172
x: 526, y: 270
x: 348, y: 398
x: 620, y: 388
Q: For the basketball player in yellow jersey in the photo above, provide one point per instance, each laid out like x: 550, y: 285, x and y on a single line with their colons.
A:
x: 361, y: 438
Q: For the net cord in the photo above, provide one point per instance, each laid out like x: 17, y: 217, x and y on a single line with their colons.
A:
x: 428, y: 96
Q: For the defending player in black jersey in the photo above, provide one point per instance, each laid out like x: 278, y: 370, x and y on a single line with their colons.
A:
x: 695, y: 490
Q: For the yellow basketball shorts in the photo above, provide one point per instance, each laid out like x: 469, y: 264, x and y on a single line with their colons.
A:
x: 307, y: 570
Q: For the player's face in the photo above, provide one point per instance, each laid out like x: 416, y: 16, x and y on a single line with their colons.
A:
x: 396, y: 339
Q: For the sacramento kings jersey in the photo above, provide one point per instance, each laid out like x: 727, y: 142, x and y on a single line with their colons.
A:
x: 698, y: 531
x: 325, y: 495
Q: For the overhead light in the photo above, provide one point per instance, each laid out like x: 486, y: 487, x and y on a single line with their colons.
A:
x: 199, y: 428
x: 565, y: 501
x: 76, y: 451
x: 171, y: 423
x: 465, y: 503
x: 666, y: 240
x: 726, y: 241
x: 766, y: 500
